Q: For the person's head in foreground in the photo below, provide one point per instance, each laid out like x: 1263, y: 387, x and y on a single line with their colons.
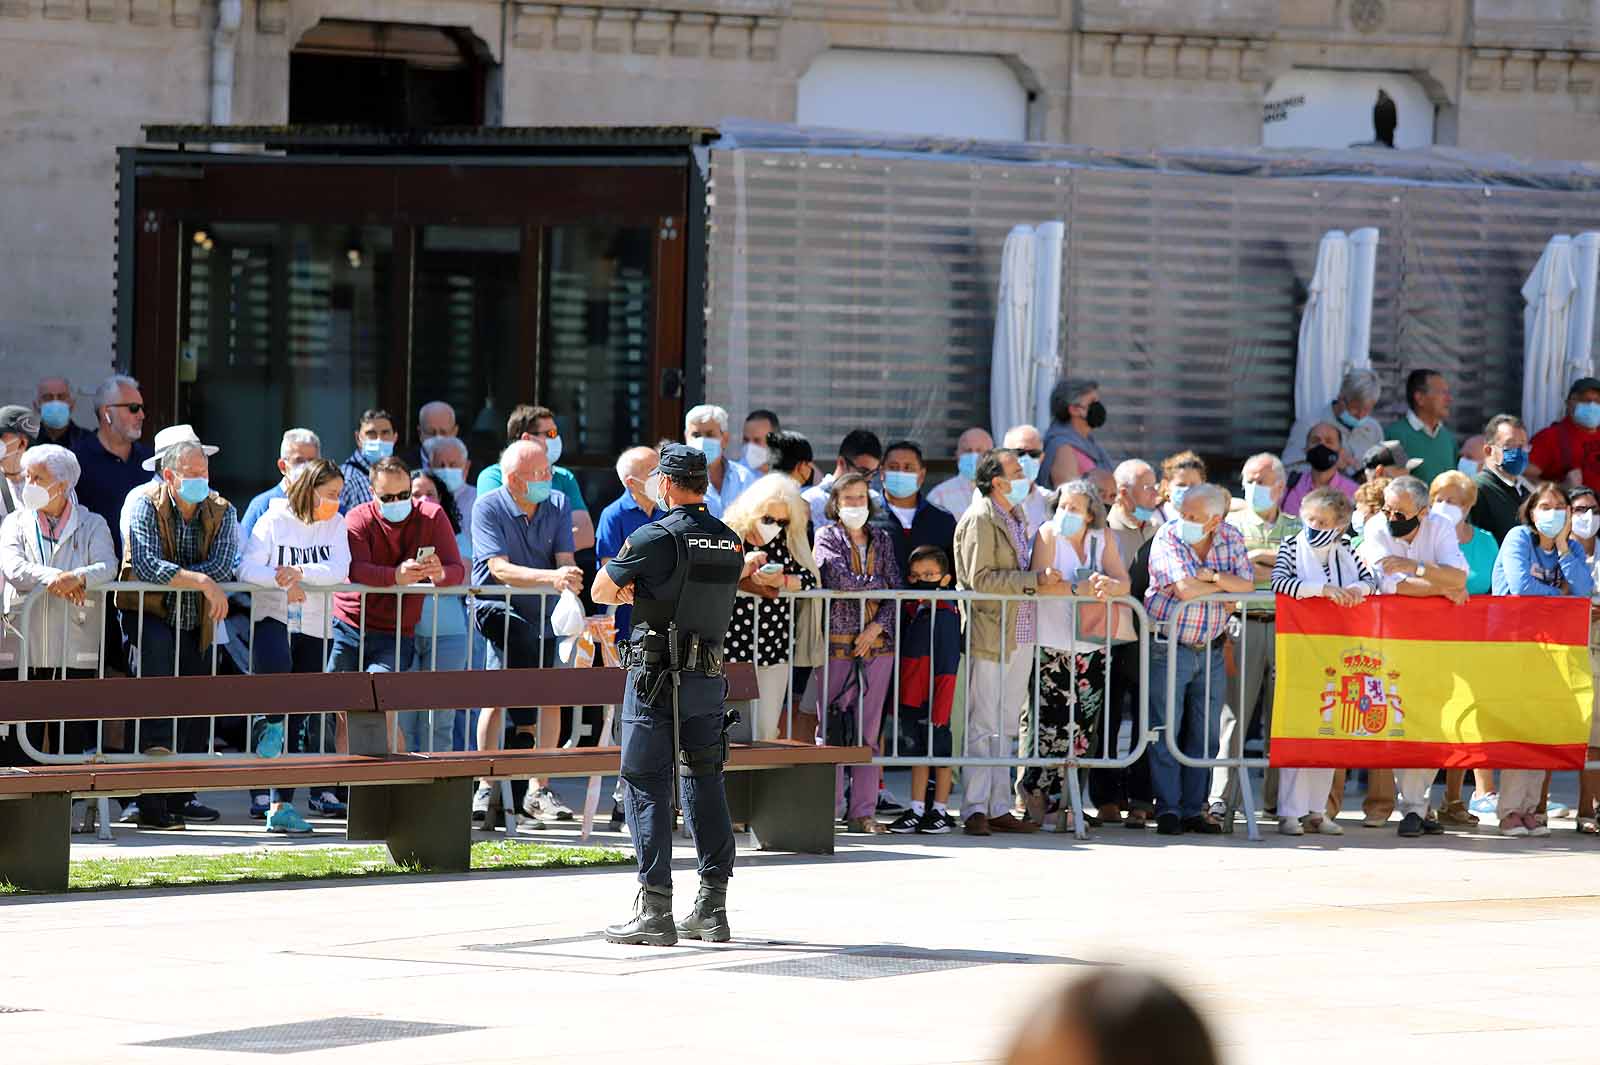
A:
x: 1115, y: 1017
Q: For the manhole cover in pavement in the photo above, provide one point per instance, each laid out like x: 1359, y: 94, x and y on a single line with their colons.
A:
x: 302, y: 1036
x: 874, y: 964
x: 17, y: 1009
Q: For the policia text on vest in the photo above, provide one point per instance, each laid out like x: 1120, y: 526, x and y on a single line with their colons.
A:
x: 681, y: 574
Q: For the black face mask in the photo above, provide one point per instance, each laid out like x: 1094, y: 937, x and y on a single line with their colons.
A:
x: 1401, y: 527
x: 1322, y: 458
x: 928, y: 586
x: 1095, y: 415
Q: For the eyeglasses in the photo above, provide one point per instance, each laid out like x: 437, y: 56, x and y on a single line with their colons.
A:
x: 395, y: 497
x: 133, y: 408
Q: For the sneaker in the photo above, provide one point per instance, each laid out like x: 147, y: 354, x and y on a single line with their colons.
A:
x: 269, y: 744
x: 130, y: 814
x: 482, y: 799
x: 164, y: 821
x: 1411, y: 826
x: 935, y: 823
x: 1327, y: 826
x: 1553, y: 810
x: 195, y: 810
x: 546, y: 804
x: 906, y: 824
x: 1538, y: 828
x: 1513, y: 825
x: 1485, y: 803
x: 1430, y: 827
x: 1456, y: 815
x: 619, y: 818
x: 889, y: 806
x: 287, y: 820
x: 327, y: 804
x: 259, y: 806
x: 1291, y: 826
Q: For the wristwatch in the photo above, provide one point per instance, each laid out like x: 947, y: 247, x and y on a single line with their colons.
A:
x: 1421, y: 568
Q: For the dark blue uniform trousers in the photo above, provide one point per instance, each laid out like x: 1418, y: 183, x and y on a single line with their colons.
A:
x: 647, y: 779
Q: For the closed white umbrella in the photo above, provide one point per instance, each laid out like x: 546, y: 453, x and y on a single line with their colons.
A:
x: 1580, y: 329
x: 1324, y: 329
x: 1010, y: 372
x: 1363, y: 276
x: 1546, y: 320
x: 1048, y: 241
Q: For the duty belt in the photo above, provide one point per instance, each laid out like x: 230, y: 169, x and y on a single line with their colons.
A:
x: 707, y: 658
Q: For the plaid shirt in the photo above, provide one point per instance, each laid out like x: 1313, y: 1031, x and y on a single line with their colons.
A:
x: 144, y: 548
x: 357, y: 473
x: 1018, y: 529
x: 1172, y: 560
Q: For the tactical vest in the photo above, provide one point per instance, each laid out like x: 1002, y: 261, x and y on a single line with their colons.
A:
x: 709, y: 566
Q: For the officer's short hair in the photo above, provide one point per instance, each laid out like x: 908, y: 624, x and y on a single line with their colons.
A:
x: 690, y: 482
x: 831, y: 510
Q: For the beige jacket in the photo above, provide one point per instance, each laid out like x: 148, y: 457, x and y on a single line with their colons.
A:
x: 986, y: 561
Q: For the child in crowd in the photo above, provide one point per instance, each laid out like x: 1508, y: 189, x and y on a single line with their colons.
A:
x: 930, y: 643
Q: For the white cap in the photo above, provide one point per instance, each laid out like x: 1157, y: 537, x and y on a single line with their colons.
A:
x: 172, y: 436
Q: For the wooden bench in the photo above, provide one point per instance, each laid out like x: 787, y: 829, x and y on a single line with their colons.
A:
x: 416, y: 804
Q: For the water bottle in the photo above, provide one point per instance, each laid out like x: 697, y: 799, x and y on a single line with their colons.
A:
x: 296, y: 617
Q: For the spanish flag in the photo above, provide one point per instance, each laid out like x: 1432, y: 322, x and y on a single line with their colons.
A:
x: 1501, y: 682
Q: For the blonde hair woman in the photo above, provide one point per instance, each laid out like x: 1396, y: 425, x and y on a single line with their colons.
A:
x: 770, y: 516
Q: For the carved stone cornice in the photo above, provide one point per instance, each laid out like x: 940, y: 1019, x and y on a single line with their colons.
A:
x: 1161, y: 56
x: 1538, y: 69
x: 645, y: 29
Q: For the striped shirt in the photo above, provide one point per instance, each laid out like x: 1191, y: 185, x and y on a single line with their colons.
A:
x: 1341, y: 574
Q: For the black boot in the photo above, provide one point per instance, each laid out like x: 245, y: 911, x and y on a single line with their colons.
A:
x: 652, y: 921
x: 709, y: 918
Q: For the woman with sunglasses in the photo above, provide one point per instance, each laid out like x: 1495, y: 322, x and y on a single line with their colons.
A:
x: 770, y: 516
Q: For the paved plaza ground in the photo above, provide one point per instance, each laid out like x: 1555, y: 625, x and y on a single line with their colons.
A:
x: 895, y: 950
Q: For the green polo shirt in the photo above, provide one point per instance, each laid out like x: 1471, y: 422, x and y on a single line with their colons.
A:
x: 1262, y: 535
x: 1437, y: 452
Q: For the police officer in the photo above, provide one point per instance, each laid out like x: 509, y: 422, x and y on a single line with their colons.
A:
x: 680, y: 574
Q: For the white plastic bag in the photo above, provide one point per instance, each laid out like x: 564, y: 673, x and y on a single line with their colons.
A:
x: 567, y: 620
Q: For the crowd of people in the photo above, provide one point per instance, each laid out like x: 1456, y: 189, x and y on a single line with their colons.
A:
x: 1052, y: 521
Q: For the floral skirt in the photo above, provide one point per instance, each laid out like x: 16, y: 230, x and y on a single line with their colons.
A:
x: 1072, y: 691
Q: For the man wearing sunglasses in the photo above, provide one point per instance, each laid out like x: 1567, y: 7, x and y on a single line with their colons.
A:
x: 112, y: 460
x: 1029, y: 446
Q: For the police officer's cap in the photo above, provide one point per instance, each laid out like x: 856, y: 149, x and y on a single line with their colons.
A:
x: 681, y: 459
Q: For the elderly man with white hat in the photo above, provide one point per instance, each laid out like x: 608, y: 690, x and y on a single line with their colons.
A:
x: 185, y: 536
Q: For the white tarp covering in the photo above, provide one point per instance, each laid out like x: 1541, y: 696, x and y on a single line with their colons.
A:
x: 1557, y: 326
x: 1336, y: 329
x: 1011, y: 368
x: 1048, y: 241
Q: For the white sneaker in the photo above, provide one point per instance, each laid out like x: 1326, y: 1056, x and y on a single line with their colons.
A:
x: 552, y: 807
x: 1537, y: 828
x: 1291, y: 826
x: 1327, y: 826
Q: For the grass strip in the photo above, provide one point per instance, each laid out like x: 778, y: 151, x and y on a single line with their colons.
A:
x: 279, y: 864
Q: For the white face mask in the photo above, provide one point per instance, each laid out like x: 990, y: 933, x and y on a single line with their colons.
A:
x: 756, y: 455
x: 1449, y: 512
x: 1585, y: 525
x: 35, y: 496
x: 767, y: 531
x: 652, y: 488
x: 854, y: 517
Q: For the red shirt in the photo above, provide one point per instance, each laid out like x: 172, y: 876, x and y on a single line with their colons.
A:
x: 377, y: 548
x: 1564, y: 446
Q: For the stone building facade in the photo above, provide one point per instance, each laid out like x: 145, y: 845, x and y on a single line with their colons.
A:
x: 79, y: 77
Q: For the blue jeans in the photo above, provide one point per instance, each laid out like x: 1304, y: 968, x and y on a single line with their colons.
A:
x: 274, y: 649
x: 647, y: 779
x: 427, y: 731
x: 378, y: 653
x: 1182, y: 790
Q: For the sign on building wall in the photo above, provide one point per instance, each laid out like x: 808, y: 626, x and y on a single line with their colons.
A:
x: 924, y: 93
x: 1342, y: 108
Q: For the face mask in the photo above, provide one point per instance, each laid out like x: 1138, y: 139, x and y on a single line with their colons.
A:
x: 768, y: 530
x: 396, y: 512
x: 854, y: 517
x: 1585, y: 525
x: 1349, y: 420
x: 1320, y: 538
x: 373, y: 450
x: 552, y: 449
x: 1069, y: 523
x: 756, y: 455
x: 326, y: 508
x: 1192, y: 532
x: 193, y: 489
x: 709, y: 446
x: 1260, y: 496
x: 1322, y: 458
x: 927, y: 586
x: 1176, y: 494
x: 900, y: 484
x: 1549, y: 522
x: 1585, y: 414
x: 652, y: 488
x: 1449, y: 512
x: 55, y: 413
x: 967, y: 465
x: 1095, y: 415
x: 537, y: 491
x: 1018, y: 490
x: 1402, y: 527
x: 35, y: 496
x: 1030, y: 467
x: 1514, y: 460
x: 450, y: 477
x: 1468, y: 467
x: 1143, y: 514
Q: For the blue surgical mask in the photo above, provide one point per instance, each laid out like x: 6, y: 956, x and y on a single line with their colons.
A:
x: 552, y: 449
x: 967, y: 465
x: 538, y: 491
x: 1585, y: 414
x: 1192, y: 532
x: 54, y: 413
x: 1143, y: 514
x: 1514, y: 460
x: 396, y: 512
x: 1176, y: 494
x: 899, y: 483
x: 1260, y: 497
x: 1018, y: 490
x: 1549, y: 522
x: 709, y: 446
x: 194, y: 489
x: 373, y: 450
x: 1350, y: 420
x: 450, y: 477
x: 1030, y: 467
x: 1069, y: 523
